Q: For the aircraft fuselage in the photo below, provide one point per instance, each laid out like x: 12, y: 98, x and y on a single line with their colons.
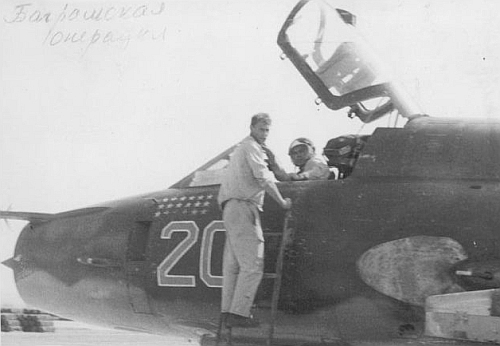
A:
x: 153, y: 262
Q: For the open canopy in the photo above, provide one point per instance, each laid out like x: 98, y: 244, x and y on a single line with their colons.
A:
x: 338, y: 64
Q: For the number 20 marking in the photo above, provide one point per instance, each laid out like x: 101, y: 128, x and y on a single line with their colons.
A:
x: 192, y: 230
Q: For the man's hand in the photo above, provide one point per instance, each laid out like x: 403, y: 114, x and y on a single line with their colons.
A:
x: 296, y: 177
x: 287, y: 204
x: 270, y: 156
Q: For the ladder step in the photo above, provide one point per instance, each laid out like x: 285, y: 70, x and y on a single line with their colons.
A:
x: 273, y: 234
x: 270, y: 276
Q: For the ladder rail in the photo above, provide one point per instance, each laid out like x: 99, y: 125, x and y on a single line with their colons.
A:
x: 287, y: 232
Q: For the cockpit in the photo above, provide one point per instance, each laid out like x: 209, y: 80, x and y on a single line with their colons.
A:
x: 341, y: 154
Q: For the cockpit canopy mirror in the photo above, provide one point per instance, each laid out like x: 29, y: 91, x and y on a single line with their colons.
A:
x: 338, y: 64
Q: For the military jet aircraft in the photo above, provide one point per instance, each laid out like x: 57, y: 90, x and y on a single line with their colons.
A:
x: 413, y: 213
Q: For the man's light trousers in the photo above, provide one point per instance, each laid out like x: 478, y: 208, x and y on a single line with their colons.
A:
x: 243, y: 256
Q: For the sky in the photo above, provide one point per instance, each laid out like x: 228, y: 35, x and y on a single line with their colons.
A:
x: 96, y: 110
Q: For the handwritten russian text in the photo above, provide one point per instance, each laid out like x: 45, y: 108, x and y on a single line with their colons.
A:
x: 101, y: 23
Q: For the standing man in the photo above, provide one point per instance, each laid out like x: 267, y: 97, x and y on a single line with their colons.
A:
x: 241, y: 196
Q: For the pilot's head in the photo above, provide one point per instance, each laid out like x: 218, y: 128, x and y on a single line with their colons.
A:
x: 300, y: 151
x: 259, y: 127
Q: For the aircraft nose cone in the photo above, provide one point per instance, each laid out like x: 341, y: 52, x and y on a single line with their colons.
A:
x: 9, y: 263
x: 47, y: 272
x: 74, y: 266
x: 34, y: 256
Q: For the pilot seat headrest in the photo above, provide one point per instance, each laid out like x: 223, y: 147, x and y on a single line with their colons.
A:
x: 342, y: 152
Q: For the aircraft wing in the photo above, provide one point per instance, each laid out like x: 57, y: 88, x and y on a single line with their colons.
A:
x: 46, y: 217
x: 26, y: 216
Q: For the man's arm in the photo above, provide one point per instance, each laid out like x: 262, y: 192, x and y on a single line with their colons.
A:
x: 256, y: 160
x: 272, y: 190
x: 279, y: 173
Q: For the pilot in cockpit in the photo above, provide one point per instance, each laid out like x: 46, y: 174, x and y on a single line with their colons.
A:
x: 303, y: 155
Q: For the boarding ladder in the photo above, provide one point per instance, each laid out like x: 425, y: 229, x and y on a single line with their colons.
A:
x: 286, y: 238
